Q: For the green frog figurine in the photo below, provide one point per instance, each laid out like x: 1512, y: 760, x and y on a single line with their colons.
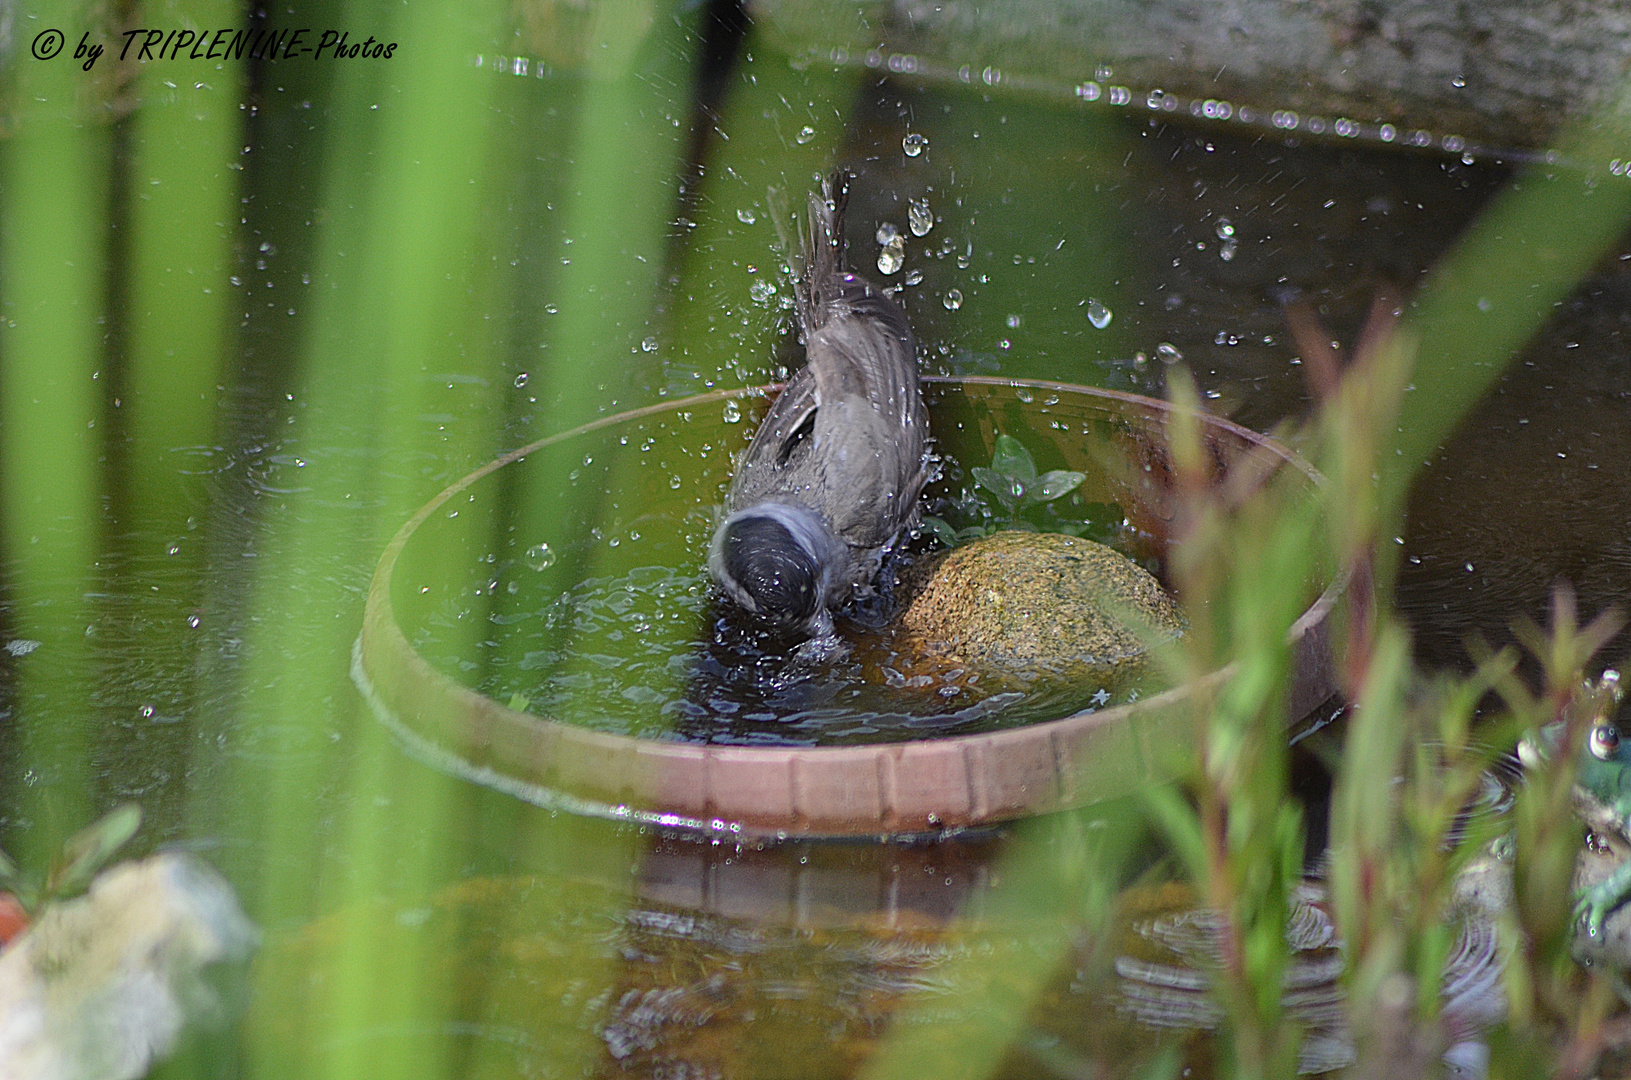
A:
x: 1602, y: 792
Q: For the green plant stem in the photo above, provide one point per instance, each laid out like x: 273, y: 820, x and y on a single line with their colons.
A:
x: 53, y: 237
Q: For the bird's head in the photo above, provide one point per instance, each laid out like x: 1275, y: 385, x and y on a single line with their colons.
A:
x: 781, y: 562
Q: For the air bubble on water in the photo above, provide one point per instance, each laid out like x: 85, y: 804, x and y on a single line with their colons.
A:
x: 173, y: 549
x: 1483, y: 303
x: 1014, y: 321
x: 1226, y: 250
x: 648, y: 345
x: 540, y: 557
x: 194, y: 622
x: 674, y: 483
x: 145, y: 712
x: 914, y: 144
x: 806, y: 133
x: 762, y: 290
x: 746, y: 216
x: 1098, y: 314
x: 915, y: 277
x: 887, y: 234
x: 1225, y: 228
x: 953, y: 299
x: 733, y: 413
x: 1168, y: 353
x: 892, y: 256
x: 920, y: 218
x: 1027, y: 397
x: 1459, y: 82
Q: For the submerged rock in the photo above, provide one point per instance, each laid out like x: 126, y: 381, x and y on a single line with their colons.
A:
x: 1032, y: 602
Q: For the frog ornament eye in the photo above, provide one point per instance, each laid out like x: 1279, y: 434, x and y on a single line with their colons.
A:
x: 1605, y: 742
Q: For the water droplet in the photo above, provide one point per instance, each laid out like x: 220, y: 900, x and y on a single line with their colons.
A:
x: 887, y: 234
x: 920, y: 218
x: 733, y: 413
x: 762, y: 290
x: 914, y: 144
x: 1014, y: 321
x: 173, y: 549
x: 1225, y: 228
x: 1168, y: 353
x: 540, y: 557
x: 648, y: 345
x: 806, y: 133
x: 891, y: 257
x: 674, y: 483
x: 1459, y: 82
x: 145, y: 712
x: 746, y: 216
x: 953, y: 299
x: 1098, y: 314
x: 194, y: 622
x: 915, y: 277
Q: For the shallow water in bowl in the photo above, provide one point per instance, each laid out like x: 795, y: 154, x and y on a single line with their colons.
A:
x: 621, y: 630
x: 742, y: 684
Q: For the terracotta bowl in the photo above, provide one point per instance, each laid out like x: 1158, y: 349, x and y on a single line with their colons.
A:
x: 656, y: 474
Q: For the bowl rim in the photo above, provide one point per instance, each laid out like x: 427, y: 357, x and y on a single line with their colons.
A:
x: 921, y: 787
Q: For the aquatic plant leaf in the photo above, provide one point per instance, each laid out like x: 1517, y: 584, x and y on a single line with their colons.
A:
x: 942, y: 531
x: 1057, y: 483
x: 1008, y: 490
x: 91, y: 847
x: 1011, y: 457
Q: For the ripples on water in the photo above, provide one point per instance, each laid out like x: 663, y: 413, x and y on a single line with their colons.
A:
x: 654, y: 653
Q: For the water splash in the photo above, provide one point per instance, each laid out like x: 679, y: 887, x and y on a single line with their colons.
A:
x: 892, y: 256
x: 540, y: 557
x: 920, y: 219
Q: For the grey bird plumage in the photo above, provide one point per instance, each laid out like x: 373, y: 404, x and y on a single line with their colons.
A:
x: 833, y: 475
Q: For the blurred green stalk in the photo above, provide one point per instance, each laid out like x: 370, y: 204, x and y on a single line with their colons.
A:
x: 1501, y: 284
x: 53, y: 259
x: 185, y: 149
x: 402, y: 235
x: 182, y: 181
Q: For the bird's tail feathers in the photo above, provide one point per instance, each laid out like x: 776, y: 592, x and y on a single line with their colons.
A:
x: 824, y: 248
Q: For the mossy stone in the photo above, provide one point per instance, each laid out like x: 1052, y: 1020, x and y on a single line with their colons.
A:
x: 1029, y: 602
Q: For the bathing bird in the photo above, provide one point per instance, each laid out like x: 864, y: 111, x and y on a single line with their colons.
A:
x: 833, y: 475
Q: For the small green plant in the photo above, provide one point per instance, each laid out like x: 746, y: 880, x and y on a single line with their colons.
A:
x: 81, y: 858
x: 1018, y: 490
